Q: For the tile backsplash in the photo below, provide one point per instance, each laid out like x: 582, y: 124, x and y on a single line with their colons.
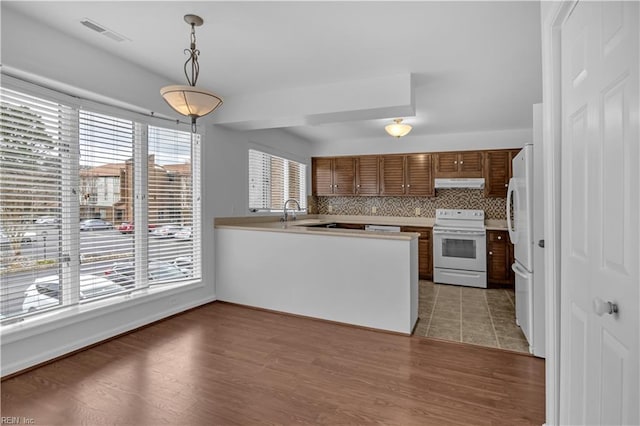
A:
x: 494, y: 208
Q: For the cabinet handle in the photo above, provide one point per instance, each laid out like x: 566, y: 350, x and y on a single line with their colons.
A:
x: 490, y: 253
x: 357, y: 186
x: 335, y: 186
x: 408, y: 186
x: 403, y: 185
x: 455, y: 161
x: 461, y: 162
x: 499, y: 237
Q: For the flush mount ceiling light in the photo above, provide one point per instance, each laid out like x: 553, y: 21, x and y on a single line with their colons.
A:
x: 189, y: 100
x: 397, y: 130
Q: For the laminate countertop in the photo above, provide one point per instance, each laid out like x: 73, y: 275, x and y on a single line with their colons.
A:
x: 313, y: 223
x: 307, y: 224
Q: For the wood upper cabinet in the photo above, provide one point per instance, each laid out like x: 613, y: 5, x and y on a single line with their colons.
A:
x: 497, y: 171
x: 458, y: 164
x: 419, y: 176
x: 499, y: 258
x: 392, y: 175
x: 367, y: 175
x: 425, y: 251
x: 344, y: 175
x: 322, y: 176
x: 333, y: 175
x: 406, y: 175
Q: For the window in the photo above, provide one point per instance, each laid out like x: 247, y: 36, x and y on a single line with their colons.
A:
x: 273, y: 180
x: 92, y: 205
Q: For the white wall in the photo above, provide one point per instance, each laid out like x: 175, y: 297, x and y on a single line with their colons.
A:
x: 433, y: 143
x: 68, y: 64
x: 228, y: 165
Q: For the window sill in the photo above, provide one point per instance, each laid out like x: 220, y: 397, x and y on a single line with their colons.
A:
x: 56, y: 318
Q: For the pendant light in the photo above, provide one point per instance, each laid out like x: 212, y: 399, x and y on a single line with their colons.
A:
x: 189, y: 100
x: 398, y: 129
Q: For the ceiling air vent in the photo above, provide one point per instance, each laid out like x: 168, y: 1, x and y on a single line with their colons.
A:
x: 103, y: 30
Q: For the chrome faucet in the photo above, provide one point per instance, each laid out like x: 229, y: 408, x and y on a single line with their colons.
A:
x: 285, y: 216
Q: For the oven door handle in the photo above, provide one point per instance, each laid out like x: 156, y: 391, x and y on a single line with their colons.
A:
x: 459, y: 233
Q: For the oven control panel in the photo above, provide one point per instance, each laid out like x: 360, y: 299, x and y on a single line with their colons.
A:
x: 460, y: 217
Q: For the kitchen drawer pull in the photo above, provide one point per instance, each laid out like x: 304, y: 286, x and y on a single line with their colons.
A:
x: 499, y: 237
x: 490, y: 253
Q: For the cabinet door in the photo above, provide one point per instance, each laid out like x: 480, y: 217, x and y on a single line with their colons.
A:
x: 498, y: 257
x: 497, y: 165
x: 425, y: 251
x: 428, y: 257
x: 419, y: 177
x: 367, y: 175
x: 445, y: 164
x: 344, y: 176
x: 392, y: 175
x: 322, y: 176
x: 470, y: 164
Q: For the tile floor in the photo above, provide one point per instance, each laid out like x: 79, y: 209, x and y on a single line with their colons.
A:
x: 483, y: 317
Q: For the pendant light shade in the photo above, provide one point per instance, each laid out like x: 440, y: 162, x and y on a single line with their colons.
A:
x: 397, y: 130
x: 189, y: 100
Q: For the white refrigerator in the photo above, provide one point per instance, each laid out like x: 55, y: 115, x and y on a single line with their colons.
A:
x: 529, y: 311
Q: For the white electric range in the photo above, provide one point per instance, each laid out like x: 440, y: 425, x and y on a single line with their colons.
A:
x: 459, y: 248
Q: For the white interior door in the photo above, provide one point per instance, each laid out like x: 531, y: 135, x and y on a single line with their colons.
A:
x: 599, y: 220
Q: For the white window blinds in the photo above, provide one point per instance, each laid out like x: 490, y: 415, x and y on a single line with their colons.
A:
x: 92, y: 205
x: 34, y: 155
x: 273, y: 180
x: 173, y: 205
x: 105, y: 199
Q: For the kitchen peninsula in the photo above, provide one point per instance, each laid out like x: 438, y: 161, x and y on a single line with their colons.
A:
x: 301, y: 267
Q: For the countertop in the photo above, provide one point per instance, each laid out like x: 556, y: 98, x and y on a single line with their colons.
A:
x: 304, y: 224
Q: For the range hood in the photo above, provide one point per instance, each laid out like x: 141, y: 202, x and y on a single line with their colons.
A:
x: 473, y: 183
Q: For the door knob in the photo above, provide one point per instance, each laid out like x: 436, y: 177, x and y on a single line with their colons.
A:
x: 601, y: 307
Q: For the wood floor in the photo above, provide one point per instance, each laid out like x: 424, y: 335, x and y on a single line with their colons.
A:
x: 225, y: 364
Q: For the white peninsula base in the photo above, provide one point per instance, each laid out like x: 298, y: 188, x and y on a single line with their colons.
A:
x: 357, y: 279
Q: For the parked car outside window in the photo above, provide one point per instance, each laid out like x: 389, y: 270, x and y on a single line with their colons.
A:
x: 47, y: 220
x: 185, y: 263
x: 183, y: 233
x: 95, y: 224
x: 166, y: 231
x: 123, y: 273
x: 45, y: 291
x: 128, y: 227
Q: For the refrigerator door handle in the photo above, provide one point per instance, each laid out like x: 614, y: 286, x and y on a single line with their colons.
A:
x: 519, y: 271
x: 513, y: 235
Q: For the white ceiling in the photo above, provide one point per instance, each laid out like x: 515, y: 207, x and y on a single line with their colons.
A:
x: 475, y: 66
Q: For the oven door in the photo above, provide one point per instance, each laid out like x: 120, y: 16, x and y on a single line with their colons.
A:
x: 456, y: 249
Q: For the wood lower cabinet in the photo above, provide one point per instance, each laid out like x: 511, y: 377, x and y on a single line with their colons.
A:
x: 350, y: 226
x: 467, y: 164
x: 499, y: 258
x: 497, y: 171
x: 425, y: 251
